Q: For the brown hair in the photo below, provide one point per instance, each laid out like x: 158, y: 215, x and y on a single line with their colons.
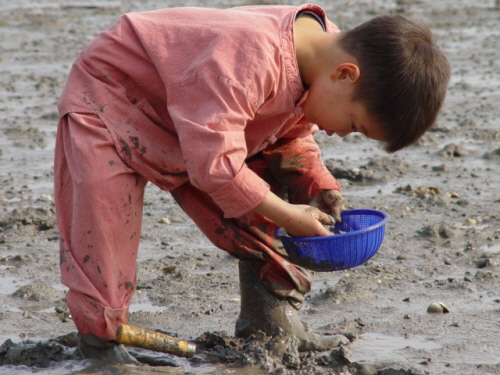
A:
x: 404, y: 76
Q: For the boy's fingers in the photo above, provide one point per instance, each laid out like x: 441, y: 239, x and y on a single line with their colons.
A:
x: 326, y: 220
x: 333, y: 197
x: 335, y: 200
x: 336, y: 214
x: 323, y: 217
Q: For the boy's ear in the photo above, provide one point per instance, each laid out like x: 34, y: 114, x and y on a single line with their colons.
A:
x: 346, y: 71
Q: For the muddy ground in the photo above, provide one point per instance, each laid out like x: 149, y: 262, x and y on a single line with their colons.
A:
x: 442, y: 243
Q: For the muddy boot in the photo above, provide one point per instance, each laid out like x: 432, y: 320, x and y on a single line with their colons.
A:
x: 91, y: 347
x: 262, y: 311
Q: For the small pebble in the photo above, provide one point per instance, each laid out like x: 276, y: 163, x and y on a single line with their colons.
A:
x: 165, y: 220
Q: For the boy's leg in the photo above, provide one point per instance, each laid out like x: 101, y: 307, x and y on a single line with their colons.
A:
x: 250, y: 237
x: 99, y: 204
x: 272, y: 289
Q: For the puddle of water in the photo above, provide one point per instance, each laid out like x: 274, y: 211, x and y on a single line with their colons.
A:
x: 477, y: 227
x: 493, y: 248
x: 73, y: 367
x: 146, y: 306
x: 62, y: 370
x: 10, y: 283
x: 374, y: 347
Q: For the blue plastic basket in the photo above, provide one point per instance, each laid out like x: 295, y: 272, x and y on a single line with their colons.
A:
x: 364, y: 233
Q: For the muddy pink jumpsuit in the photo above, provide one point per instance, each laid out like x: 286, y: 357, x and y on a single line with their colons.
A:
x: 204, y: 103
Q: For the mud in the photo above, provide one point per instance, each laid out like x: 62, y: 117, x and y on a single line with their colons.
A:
x: 442, y: 243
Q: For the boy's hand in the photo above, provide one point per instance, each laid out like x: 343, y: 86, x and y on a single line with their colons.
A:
x: 330, y: 201
x: 299, y: 220
x: 307, y: 221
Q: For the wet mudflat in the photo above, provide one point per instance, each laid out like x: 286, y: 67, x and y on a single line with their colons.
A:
x: 442, y: 243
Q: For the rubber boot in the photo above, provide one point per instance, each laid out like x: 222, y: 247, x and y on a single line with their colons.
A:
x: 263, y: 311
x: 91, y: 347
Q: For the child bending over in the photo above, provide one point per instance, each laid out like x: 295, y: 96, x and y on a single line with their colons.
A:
x: 219, y: 107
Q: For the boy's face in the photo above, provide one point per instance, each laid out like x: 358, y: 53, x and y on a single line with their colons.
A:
x: 329, y: 106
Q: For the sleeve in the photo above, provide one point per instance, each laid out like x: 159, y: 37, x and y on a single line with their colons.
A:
x: 210, y: 114
x: 295, y: 160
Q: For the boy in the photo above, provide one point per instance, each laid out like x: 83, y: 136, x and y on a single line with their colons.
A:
x: 221, y: 112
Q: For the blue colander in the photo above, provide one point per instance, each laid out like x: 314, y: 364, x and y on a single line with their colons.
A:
x: 361, y: 234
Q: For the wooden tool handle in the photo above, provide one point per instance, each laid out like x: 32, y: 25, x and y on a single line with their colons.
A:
x: 160, y: 342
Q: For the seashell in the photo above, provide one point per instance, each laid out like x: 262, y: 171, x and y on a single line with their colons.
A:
x: 421, y: 190
x: 433, y: 190
x: 165, y: 220
x: 437, y: 308
x: 470, y: 222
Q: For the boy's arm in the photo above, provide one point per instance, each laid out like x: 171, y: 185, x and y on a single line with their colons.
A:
x: 296, y: 162
x: 297, y: 219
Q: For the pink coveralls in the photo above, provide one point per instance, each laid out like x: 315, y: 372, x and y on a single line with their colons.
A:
x: 204, y: 103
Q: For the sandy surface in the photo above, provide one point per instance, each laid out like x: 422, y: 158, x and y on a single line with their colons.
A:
x: 442, y: 243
